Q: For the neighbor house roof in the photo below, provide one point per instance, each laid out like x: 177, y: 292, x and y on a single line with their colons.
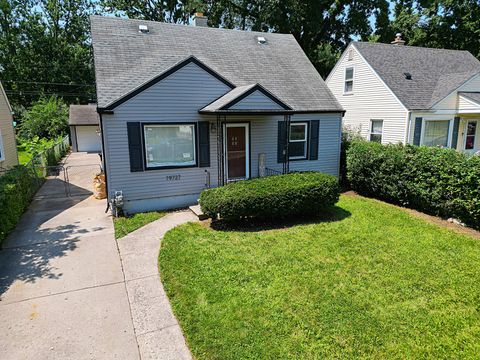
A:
x: 475, y: 96
x: 126, y: 59
x: 83, y: 115
x: 435, y: 73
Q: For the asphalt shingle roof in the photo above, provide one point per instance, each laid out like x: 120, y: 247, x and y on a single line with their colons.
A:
x: 435, y: 72
x: 83, y: 115
x: 125, y: 59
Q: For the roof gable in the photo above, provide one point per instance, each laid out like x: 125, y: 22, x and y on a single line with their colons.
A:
x: 126, y: 60
x: 435, y: 73
x: 83, y: 115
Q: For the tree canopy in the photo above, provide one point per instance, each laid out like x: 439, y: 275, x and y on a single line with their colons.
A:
x: 45, y: 46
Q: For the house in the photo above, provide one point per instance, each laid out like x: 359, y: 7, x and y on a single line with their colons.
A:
x: 8, y: 144
x: 184, y: 108
x: 85, y: 128
x: 396, y: 93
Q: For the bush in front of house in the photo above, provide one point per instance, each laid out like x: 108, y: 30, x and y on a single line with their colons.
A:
x: 278, y: 196
x: 440, y: 182
x: 17, y: 187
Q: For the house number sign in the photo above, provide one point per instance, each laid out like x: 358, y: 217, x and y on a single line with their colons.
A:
x: 173, y: 177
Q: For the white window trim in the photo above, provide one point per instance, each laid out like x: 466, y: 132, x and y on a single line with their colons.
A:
x: 305, y: 140
x: 153, y: 167
x: 2, y: 149
x: 345, y: 80
x: 449, y: 135
x: 371, y: 130
x: 477, y: 134
x: 247, y: 148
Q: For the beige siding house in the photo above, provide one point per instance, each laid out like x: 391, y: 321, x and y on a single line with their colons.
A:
x: 8, y: 147
x: 394, y: 93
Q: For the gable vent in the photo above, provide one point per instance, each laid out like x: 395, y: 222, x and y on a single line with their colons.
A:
x: 261, y: 40
x: 143, y: 29
x: 408, y: 76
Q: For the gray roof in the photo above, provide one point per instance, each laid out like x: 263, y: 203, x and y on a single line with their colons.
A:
x: 472, y: 95
x: 126, y: 59
x: 83, y: 115
x: 435, y: 72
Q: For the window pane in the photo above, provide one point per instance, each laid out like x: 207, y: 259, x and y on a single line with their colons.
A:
x: 376, y: 138
x: 472, y: 128
x: 348, y: 86
x: 298, y: 131
x: 436, y: 133
x: 349, y: 74
x: 297, y: 149
x: 377, y: 126
x: 170, y: 145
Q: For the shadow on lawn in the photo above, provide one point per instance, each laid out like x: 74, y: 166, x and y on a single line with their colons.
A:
x: 330, y: 214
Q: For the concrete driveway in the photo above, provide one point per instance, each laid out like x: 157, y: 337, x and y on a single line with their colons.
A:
x: 62, y: 287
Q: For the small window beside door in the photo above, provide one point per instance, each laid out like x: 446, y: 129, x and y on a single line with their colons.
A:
x: 348, y: 89
x: 470, y: 137
x: 297, y: 145
x: 376, y: 130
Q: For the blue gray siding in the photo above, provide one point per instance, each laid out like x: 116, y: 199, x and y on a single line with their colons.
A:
x: 177, y: 98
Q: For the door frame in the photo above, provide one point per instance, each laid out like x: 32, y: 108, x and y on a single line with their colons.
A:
x: 476, y: 144
x: 246, y: 126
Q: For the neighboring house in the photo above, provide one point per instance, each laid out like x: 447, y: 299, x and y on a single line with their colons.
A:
x: 395, y: 93
x: 85, y: 128
x: 8, y: 145
x: 184, y: 108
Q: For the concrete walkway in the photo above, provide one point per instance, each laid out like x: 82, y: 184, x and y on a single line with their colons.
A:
x: 158, y: 333
x: 62, y: 289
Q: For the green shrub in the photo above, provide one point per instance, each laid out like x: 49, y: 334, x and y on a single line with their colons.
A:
x: 17, y: 187
x: 271, y: 197
x: 437, y: 181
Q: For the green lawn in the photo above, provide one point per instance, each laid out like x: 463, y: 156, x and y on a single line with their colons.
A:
x: 125, y: 225
x: 374, y: 283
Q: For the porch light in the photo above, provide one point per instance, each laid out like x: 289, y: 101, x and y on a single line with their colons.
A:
x: 213, y: 127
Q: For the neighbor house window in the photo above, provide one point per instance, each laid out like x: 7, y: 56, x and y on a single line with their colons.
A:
x: 436, y: 133
x: 376, y: 129
x: 348, y: 80
x: 2, y: 153
x: 170, y: 145
x: 471, y: 132
x: 297, y: 146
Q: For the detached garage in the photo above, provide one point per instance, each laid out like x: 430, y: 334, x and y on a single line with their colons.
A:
x: 85, y: 128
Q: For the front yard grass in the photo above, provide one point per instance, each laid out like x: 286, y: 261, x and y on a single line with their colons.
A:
x: 125, y: 225
x: 375, y: 282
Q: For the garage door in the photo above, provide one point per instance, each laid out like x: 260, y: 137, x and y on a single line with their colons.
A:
x: 88, y: 139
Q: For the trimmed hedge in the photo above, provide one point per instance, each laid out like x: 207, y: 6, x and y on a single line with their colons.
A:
x: 271, y: 197
x: 17, y: 187
x: 441, y: 182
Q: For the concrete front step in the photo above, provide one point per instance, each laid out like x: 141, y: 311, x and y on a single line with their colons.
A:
x: 198, y: 212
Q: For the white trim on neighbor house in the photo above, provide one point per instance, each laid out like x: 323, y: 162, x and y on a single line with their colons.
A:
x: 378, y: 76
x: 2, y: 148
x: 456, y: 90
x: 247, y: 148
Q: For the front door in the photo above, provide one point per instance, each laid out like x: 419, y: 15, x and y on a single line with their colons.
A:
x: 237, y: 151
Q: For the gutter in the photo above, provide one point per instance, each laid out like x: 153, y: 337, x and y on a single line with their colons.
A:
x: 408, y: 128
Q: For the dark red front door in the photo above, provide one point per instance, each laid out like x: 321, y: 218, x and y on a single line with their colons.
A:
x: 236, y: 152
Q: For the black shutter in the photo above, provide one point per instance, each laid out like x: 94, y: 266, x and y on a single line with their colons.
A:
x: 135, y: 146
x: 204, y: 143
x: 282, y: 141
x: 313, y: 148
x: 417, y: 133
x: 456, y: 125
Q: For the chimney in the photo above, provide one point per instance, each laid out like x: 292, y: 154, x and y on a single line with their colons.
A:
x: 398, y: 40
x: 199, y: 19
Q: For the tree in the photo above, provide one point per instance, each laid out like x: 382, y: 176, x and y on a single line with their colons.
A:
x: 47, y: 118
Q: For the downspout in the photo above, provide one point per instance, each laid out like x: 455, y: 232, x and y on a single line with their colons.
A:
x: 104, y: 160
